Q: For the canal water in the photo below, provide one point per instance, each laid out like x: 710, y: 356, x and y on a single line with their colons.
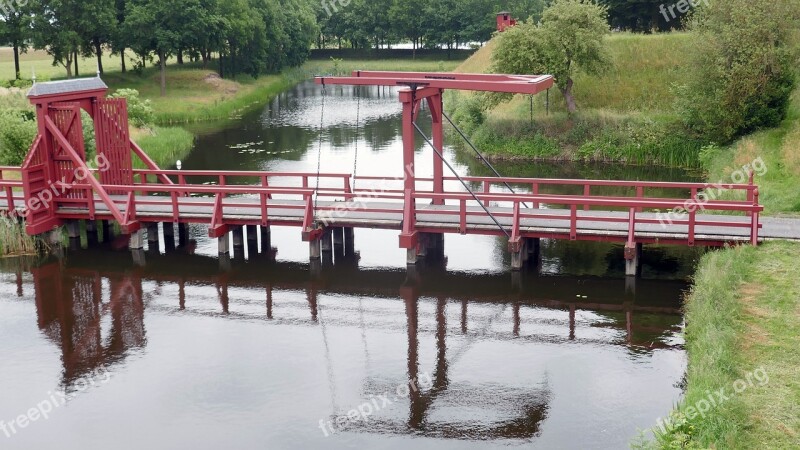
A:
x: 184, y: 351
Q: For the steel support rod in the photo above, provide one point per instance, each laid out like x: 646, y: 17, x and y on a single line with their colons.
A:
x: 477, y: 152
x: 463, y: 183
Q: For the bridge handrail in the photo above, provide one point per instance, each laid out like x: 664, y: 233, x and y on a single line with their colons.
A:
x: 579, y: 182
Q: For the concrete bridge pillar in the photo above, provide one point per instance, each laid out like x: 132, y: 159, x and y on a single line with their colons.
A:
x: 314, y: 250
x: 74, y: 229
x: 183, y: 234
x: 327, y: 241
x: 169, y: 236
x: 633, y: 259
x: 411, y: 256
x: 152, y: 236
x: 349, y: 240
x: 91, y: 232
x: 238, y: 237
x: 136, y: 240
x: 224, y: 244
x: 252, y: 241
x: 266, y: 240
x: 108, y: 231
x: 518, y: 258
x: 338, y: 238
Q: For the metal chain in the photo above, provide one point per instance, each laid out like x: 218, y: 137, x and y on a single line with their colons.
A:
x: 358, y: 121
x: 319, y: 153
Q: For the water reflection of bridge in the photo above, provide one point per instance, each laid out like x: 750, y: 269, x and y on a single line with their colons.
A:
x: 92, y: 306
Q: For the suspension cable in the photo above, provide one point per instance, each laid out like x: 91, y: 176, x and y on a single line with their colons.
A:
x: 477, y: 152
x: 463, y: 183
x: 319, y: 153
x: 358, y: 122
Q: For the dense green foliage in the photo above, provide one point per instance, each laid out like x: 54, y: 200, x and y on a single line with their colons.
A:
x: 428, y: 23
x: 567, y: 40
x: 247, y: 36
x: 17, y: 131
x: 743, y: 67
x: 140, y: 112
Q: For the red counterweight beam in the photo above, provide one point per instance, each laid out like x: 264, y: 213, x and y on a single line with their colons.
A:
x: 430, y: 87
x: 512, y: 84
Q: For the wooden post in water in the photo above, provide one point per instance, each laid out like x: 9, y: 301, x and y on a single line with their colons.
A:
x: 136, y: 240
x: 91, y: 232
x: 224, y: 244
x: 169, y: 236
x: 152, y: 236
x: 266, y: 241
x: 252, y: 241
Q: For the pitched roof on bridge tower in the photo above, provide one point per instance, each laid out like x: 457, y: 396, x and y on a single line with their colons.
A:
x: 66, y: 87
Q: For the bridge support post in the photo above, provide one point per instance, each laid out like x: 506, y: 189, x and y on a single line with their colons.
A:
x: 136, y: 240
x: 411, y: 256
x: 266, y: 240
x: 517, y: 261
x: 54, y: 237
x: 349, y: 241
x: 314, y: 248
x: 91, y: 232
x: 74, y: 229
x: 633, y: 259
x: 224, y: 244
x: 183, y: 234
x: 423, y: 245
x: 534, y: 247
x: 107, y: 231
x: 252, y: 241
x: 169, y: 236
x: 327, y: 241
x: 338, y: 238
x: 238, y: 237
x: 152, y: 236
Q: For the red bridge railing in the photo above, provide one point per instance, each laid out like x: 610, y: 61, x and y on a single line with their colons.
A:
x: 298, y: 191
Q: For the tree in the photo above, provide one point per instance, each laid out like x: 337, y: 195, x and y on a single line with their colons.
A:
x: 15, y: 21
x: 742, y: 64
x: 163, y: 27
x: 97, y: 25
x: 570, y: 39
x: 405, y: 18
x: 54, y: 30
x: 645, y: 15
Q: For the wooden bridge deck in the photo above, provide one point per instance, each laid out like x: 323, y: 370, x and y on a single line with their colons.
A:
x: 430, y: 218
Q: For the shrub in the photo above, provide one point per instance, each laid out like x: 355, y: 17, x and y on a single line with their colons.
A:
x: 17, y: 132
x: 140, y: 112
x: 742, y: 72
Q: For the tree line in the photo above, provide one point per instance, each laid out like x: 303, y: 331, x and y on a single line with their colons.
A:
x: 247, y: 36
x: 264, y: 36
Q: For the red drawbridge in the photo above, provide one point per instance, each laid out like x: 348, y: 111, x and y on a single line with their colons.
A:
x: 59, y: 185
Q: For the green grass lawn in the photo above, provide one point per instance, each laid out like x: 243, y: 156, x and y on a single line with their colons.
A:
x: 624, y: 114
x: 743, y: 321
x: 779, y: 148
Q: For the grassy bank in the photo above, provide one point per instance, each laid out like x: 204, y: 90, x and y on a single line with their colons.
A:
x: 625, y: 114
x: 13, y: 239
x: 778, y: 149
x: 743, y: 336
x: 165, y: 145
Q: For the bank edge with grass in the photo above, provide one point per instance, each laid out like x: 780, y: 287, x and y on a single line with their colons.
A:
x: 742, y: 318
